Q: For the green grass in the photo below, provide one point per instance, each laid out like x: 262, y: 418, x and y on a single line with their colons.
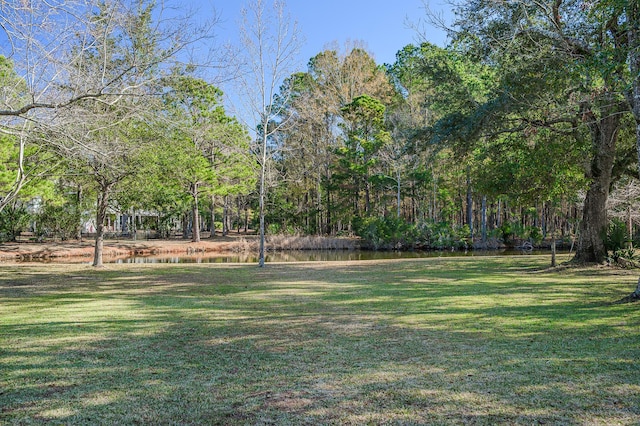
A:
x: 432, y: 341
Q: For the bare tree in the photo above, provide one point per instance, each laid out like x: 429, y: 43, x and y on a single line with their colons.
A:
x: 50, y: 41
x: 92, y: 71
x: 270, y: 44
x: 65, y: 55
x: 624, y: 203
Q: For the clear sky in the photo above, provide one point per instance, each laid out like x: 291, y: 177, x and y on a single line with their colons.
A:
x: 382, y: 25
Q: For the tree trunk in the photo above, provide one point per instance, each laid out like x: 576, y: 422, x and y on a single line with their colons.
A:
x: 633, y: 95
x: 213, y: 216
x: 79, y: 209
x: 593, y: 227
x: 367, y: 195
x: 328, y: 229
x: 633, y: 297
x: 484, y: 219
x: 101, y: 213
x: 469, y: 204
x: 263, y: 190
x: 552, y: 224
x: 398, y: 194
x: 185, y: 226
x: 636, y: 294
x: 225, y: 215
x: 134, y: 225
x: 633, y: 16
x: 195, y: 233
x: 239, y: 216
x: 21, y: 178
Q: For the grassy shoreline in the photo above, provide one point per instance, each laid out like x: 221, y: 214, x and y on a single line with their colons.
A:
x: 496, y: 340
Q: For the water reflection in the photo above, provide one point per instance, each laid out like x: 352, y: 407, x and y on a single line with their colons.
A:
x: 314, y: 256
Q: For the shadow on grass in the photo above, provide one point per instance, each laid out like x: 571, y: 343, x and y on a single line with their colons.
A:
x: 410, y: 342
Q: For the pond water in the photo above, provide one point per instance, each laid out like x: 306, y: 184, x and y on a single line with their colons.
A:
x: 317, y: 256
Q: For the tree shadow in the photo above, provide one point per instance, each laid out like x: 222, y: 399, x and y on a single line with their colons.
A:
x: 310, y: 345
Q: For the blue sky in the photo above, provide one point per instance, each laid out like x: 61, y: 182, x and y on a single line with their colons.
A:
x: 382, y: 25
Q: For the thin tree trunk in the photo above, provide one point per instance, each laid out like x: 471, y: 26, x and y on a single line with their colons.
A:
x: 263, y: 171
x: 101, y: 213
x: 79, y: 209
x: 319, y: 224
x: 213, y: 216
x: 134, y: 225
x: 185, y: 226
x: 629, y: 228
x: 225, y: 214
x: 483, y: 220
x: 469, y: 204
x: 328, y: 209
x: 239, y: 216
x: 367, y: 196
x: 398, y: 199
x: 434, y: 215
x: 195, y: 233
x: 551, y: 221
x: 21, y: 177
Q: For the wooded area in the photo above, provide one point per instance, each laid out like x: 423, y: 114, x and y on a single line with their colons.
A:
x: 525, y: 128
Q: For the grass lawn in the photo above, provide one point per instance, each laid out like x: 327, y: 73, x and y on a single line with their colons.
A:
x: 484, y: 340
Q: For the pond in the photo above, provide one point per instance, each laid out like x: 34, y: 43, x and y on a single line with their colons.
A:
x: 317, y: 256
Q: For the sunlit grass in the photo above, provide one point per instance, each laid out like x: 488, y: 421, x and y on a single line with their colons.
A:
x: 445, y: 341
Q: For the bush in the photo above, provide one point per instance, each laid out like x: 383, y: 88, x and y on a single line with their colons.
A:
x: 534, y: 235
x: 617, y: 242
x: 443, y: 236
x: 506, y: 233
x: 385, y: 233
x: 393, y: 233
x: 280, y: 229
x: 13, y: 220
x: 61, y: 221
x: 512, y: 233
x: 617, y: 236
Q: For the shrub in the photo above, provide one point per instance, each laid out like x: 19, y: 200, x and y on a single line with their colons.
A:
x: 505, y: 232
x: 534, y: 235
x: 61, y: 221
x: 385, y: 233
x: 393, y: 233
x: 617, y: 236
x: 617, y: 242
x: 442, y: 236
x: 13, y: 220
x: 511, y: 233
x: 280, y: 229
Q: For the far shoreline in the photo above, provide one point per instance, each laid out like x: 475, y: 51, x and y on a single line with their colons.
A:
x: 219, y: 245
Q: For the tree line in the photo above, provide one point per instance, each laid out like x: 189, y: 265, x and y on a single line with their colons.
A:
x: 525, y: 127
x: 520, y: 127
